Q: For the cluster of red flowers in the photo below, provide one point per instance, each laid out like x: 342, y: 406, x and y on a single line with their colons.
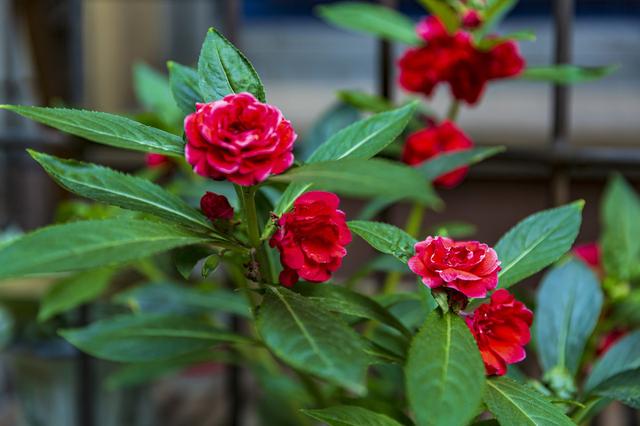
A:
x: 454, y: 59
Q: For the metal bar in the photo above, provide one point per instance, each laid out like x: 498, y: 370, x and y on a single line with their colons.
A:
x: 563, y: 26
x: 385, y: 61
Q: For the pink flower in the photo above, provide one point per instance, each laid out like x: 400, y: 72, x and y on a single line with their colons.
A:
x: 469, y: 267
x: 501, y: 329
x: 156, y: 160
x: 471, y: 19
x: 311, y: 238
x: 239, y: 139
x: 589, y: 253
x: 216, y: 206
x: 433, y: 141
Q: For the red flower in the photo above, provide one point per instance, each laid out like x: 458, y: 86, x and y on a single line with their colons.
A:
x: 216, y: 206
x: 239, y: 139
x: 454, y: 59
x: 311, y: 238
x: 589, y: 253
x: 470, y: 267
x: 608, y: 340
x: 501, y: 329
x: 471, y: 19
x: 156, y: 160
x: 428, y: 143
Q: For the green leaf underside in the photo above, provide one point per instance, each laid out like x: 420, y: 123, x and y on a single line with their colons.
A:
x: 567, y: 74
x: 108, y: 129
x: 340, y: 299
x: 373, y: 19
x: 537, y: 241
x: 88, y: 244
x: 623, y: 357
x: 620, y: 217
x: 624, y: 387
x: 361, y: 140
x: 224, y: 70
x: 444, y: 372
x: 184, y: 85
x: 446, y: 163
x: 112, y: 187
x: 385, y: 238
x: 73, y: 291
x: 147, y: 338
x: 363, y: 178
x: 311, y: 339
x: 516, y: 404
x: 350, y: 415
x: 569, y: 302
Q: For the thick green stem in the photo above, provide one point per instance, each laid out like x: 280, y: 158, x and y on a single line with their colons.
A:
x: 253, y: 232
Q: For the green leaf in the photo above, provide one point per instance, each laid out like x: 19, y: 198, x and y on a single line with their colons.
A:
x: 350, y: 415
x: 446, y: 163
x: 490, y: 42
x: 112, y: 187
x: 88, y: 244
x: 365, y: 138
x: 537, y: 241
x: 146, y: 338
x: 495, y: 13
x: 363, y: 178
x: 335, y: 119
x: 622, y: 358
x: 567, y: 74
x: 568, y: 307
x: 73, y: 291
x: 373, y: 19
x: 385, y: 238
x: 224, y: 70
x: 153, y: 91
x: 340, y: 299
x: 444, y: 12
x: 516, y: 404
x: 184, y: 83
x: 186, y: 258
x: 620, y: 218
x: 311, y: 339
x: 365, y: 101
x: 108, y: 129
x: 170, y: 298
x: 624, y: 387
x: 210, y: 264
x: 444, y: 372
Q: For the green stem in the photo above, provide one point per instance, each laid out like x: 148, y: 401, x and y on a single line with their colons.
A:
x: 590, y: 409
x: 454, y: 109
x: 413, y: 228
x: 313, y: 388
x: 247, y: 196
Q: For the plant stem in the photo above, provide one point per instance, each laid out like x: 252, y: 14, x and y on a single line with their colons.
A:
x: 413, y: 228
x: 247, y: 196
x: 454, y: 109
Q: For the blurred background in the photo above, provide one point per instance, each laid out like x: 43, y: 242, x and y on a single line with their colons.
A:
x: 562, y: 143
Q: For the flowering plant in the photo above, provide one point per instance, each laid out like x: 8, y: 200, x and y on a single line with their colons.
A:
x: 435, y: 355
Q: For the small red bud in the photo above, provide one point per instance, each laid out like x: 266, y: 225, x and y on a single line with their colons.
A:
x: 216, y: 206
x: 471, y: 19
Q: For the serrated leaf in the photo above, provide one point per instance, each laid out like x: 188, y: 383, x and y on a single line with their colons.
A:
x: 567, y: 74
x: 73, y: 291
x: 340, y: 299
x: 620, y: 218
x: 363, y: 178
x: 178, y: 299
x: 568, y: 307
x: 332, y: 121
x: 516, y: 404
x: 108, y: 129
x: 112, y: 187
x: 444, y: 372
x: 184, y: 83
x: 373, y: 19
x: 153, y: 91
x: 146, y: 338
x: 89, y: 244
x: 447, y: 15
x: 385, y: 238
x: 537, y: 241
x: 350, y: 415
x: 624, y: 387
x: 224, y: 70
x: 446, y: 163
x: 622, y: 357
x: 311, y: 339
